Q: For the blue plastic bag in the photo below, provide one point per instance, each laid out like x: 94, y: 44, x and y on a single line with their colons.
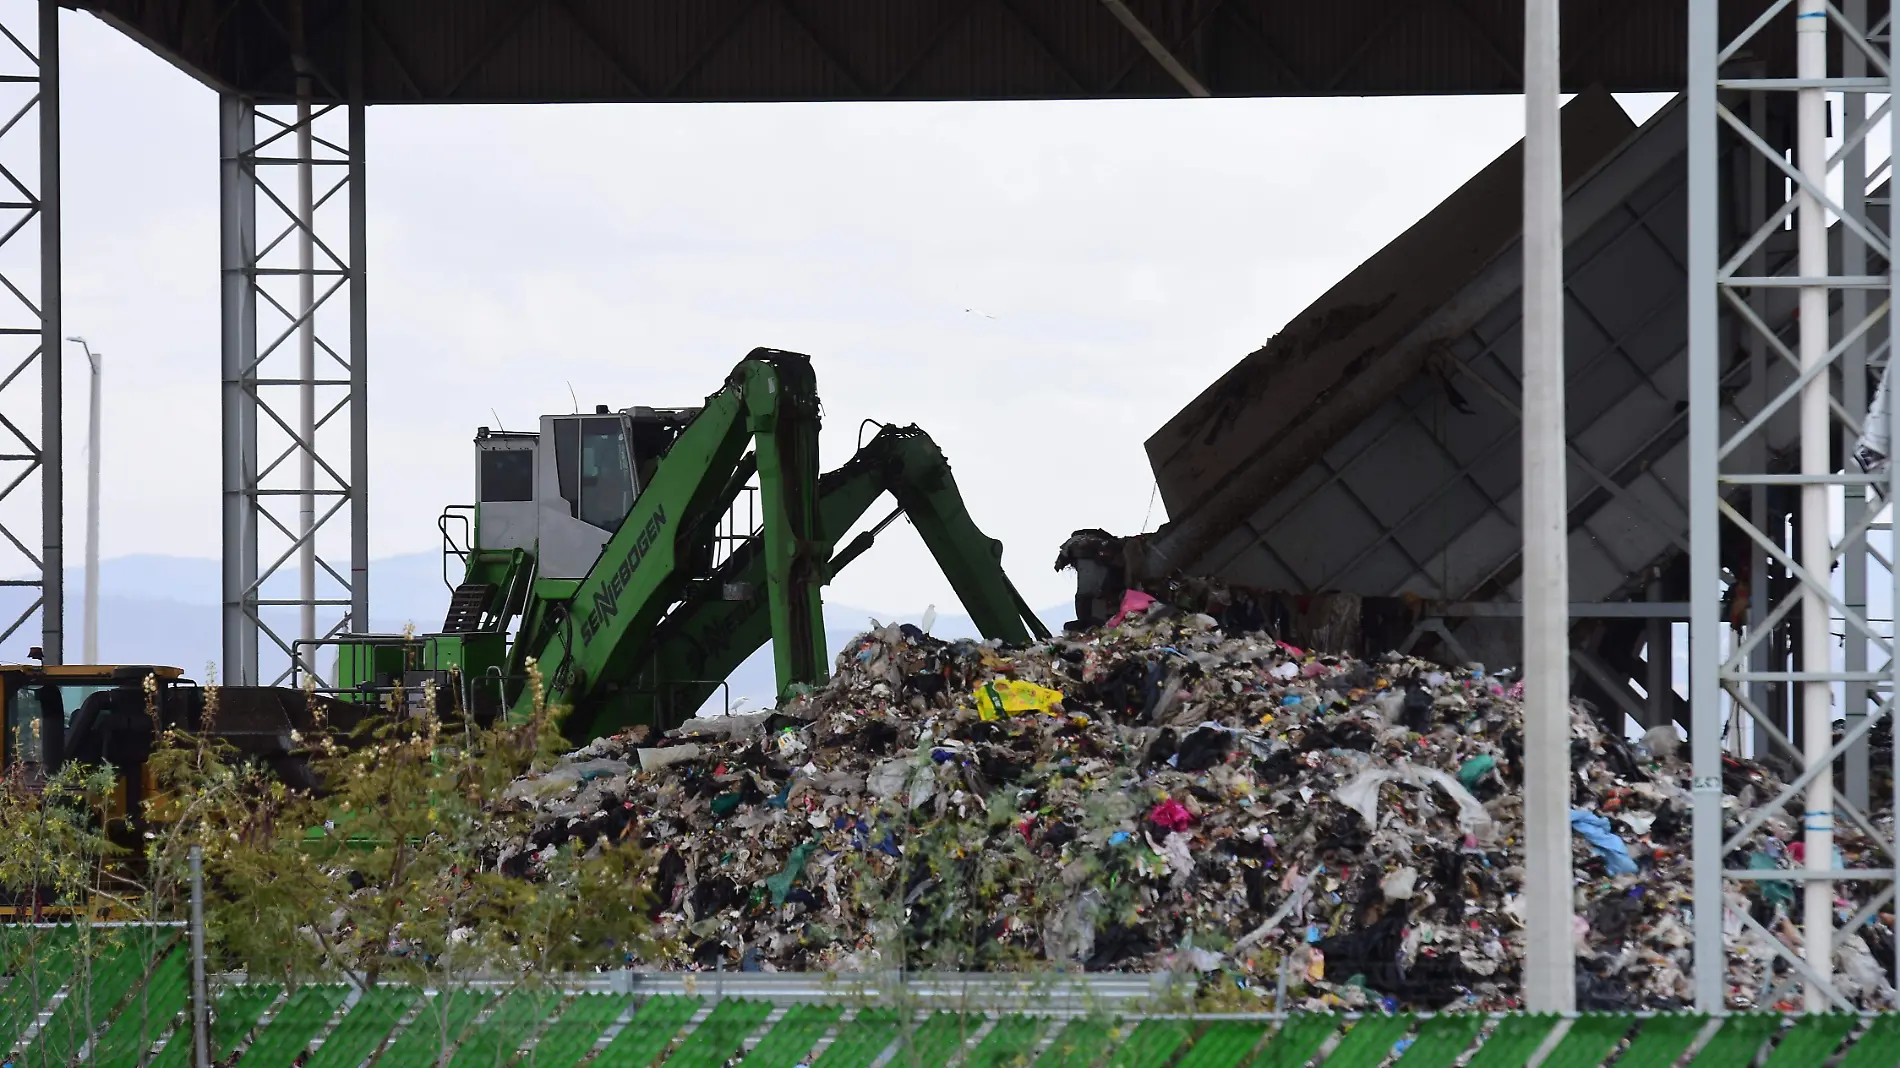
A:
x: 1596, y: 830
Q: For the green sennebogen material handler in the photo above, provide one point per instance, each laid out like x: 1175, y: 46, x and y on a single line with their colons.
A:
x: 604, y: 549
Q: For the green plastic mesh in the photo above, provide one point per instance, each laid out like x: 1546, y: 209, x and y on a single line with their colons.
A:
x: 1009, y: 1043
x: 721, y: 1034
x: 1512, y: 1042
x: 1150, y: 1045
x: 1223, y: 1044
x: 649, y: 1033
x: 791, y: 1040
x: 574, y: 1035
x: 1082, y: 1043
x: 859, y: 1042
x: 363, y: 1028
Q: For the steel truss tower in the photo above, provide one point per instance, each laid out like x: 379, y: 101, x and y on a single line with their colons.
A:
x: 1789, y: 292
x: 30, y: 425
x: 294, y: 341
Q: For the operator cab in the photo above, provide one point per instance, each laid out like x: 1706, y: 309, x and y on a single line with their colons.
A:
x: 562, y: 492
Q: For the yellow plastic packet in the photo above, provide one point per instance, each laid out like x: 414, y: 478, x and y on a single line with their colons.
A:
x: 1000, y: 697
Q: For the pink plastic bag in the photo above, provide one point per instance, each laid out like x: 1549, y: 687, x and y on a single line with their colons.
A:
x: 1171, y: 814
x: 1134, y: 602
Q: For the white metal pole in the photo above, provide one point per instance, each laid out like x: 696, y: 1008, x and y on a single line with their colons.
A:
x: 1705, y: 581
x: 1893, y: 424
x: 306, y: 364
x: 200, y: 1018
x: 1817, y: 730
x: 1550, y: 957
x: 1854, y: 303
x: 90, y: 631
x: 92, y: 510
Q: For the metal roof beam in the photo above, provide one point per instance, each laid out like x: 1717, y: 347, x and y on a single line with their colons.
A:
x: 1175, y: 68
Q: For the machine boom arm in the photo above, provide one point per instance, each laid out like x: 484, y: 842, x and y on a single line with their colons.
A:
x: 708, y: 636
x: 771, y: 398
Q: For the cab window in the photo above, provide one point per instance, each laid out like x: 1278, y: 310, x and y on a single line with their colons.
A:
x: 25, y: 709
x: 606, y: 477
x: 23, y: 726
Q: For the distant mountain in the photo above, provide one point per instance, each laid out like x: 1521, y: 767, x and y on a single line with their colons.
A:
x: 165, y: 610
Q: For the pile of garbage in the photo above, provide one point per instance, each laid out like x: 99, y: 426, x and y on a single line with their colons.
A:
x: 1315, y: 831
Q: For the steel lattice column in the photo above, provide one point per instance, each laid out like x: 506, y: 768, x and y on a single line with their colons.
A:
x: 292, y: 262
x: 30, y: 325
x: 1744, y: 287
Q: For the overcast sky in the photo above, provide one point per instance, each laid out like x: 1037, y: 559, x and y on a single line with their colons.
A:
x: 1114, y: 258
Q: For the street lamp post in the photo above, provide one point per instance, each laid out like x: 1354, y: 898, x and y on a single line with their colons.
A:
x: 91, y: 641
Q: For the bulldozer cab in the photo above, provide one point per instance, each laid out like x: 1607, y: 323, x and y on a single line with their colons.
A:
x: 83, y: 714
x: 88, y: 713
x: 561, y: 492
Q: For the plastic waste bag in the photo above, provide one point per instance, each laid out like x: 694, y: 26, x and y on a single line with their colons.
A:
x: 1596, y: 830
x: 1171, y: 814
x: 999, y: 697
x: 1362, y: 793
x: 1474, y: 769
x: 1874, y: 448
x: 888, y: 779
x: 1134, y: 602
x: 655, y: 759
x: 781, y: 884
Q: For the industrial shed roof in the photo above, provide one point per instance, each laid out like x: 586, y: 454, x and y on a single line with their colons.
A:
x: 527, y: 51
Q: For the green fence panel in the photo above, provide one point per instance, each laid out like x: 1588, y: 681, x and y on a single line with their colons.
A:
x: 647, y: 1035
x: 281, y: 1039
x: 791, y: 1040
x: 1738, y: 1041
x: 235, y: 1013
x: 1440, y: 1040
x: 1151, y: 1045
x: 1082, y: 1043
x: 1879, y: 1047
x: 936, y: 1041
x: 149, y: 1016
x: 1589, y: 1041
x: 15, y: 941
x: 1297, y: 1041
x: 574, y: 1035
x: 859, y: 1042
x: 1811, y: 1041
x: 1224, y: 1044
x: 494, y: 1042
x: 1009, y: 1043
x: 361, y: 1030
x: 437, y: 1030
x: 1369, y: 1042
x: 1512, y: 1042
x: 119, y: 966
x: 139, y: 1001
x: 1661, y: 1041
x: 47, y: 960
x: 721, y: 1034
